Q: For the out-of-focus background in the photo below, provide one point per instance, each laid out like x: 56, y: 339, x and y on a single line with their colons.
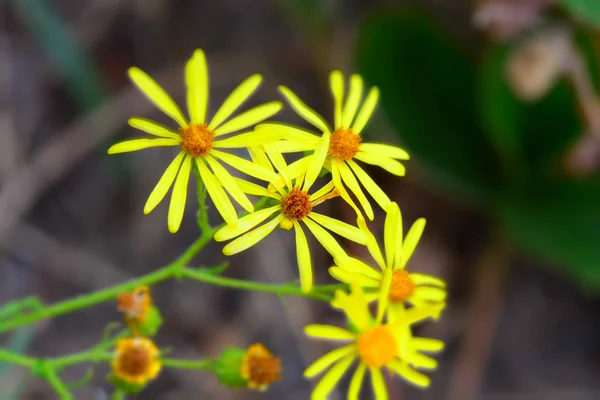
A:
x: 497, y: 101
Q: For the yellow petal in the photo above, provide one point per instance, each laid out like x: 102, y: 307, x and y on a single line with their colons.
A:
x: 327, y: 359
x: 378, y: 384
x: 179, y: 196
x: 422, y: 361
x: 383, y: 297
x: 291, y: 132
x: 153, y: 128
x: 245, y: 166
x: 372, y: 244
x: 336, y: 82
x: 392, y: 234
x: 354, y: 305
x: 258, y: 156
x: 374, y: 190
x: 341, y: 228
x: 427, y: 344
x: 250, y: 117
x: 337, y: 180
x: 157, y: 95
x: 248, y: 139
x: 244, y: 224
x: 350, y: 181
x: 254, y: 189
x: 299, y: 167
x: 412, y: 239
x: 303, y: 257
x: 356, y: 382
x: 308, y: 114
x: 323, y: 191
x: 430, y: 293
x: 390, y: 165
x: 332, y: 377
x: 217, y: 194
x: 358, y: 267
x: 353, y: 100
x: 251, y: 238
x: 409, y: 374
x: 384, y: 150
x: 163, y: 185
x: 329, y: 332
x: 430, y: 280
x: 227, y: 181
x: 196, y: 77
x: 345, y: 276
x: 279, y: 163
x: 317, y: 161
x: 139, y: 144
x: 366, y: 110
x: 286, y: 146
x: 235, y: 99
x: 326, y: 240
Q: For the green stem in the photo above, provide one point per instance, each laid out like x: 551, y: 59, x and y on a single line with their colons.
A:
x: 118, y: 394
x: 188, y: 364
x: 202, y: 216
x: 58, y: 385
x: 16, y: 358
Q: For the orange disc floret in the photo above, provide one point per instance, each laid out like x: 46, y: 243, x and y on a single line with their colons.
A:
x: 296, y: 204
x: 136, y: 360
x: 135, y: 304
x: 344, y: 144
x: 402, y: 286
x: 377, y: 346
x: 259, y: 367
x: 196, y: 139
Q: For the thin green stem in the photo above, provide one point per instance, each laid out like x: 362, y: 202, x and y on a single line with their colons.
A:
x: 188, y: 364
x: 59, y: 386
x: 202, y: 215
x: 15, y: 358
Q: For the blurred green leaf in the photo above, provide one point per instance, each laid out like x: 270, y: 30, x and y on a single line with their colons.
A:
x: 428, y: 94
x: 585, y: 10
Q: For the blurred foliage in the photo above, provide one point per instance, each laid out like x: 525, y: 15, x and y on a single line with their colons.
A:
x: 585, y: 10
x: 457, y: 115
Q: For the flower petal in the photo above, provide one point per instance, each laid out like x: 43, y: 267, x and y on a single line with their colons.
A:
x: 245, y: 166
x: 353, y: 100
x: 287, y: 146
x: 378, y: 383
x: 139, y: 144
x: 291, y: 132
x: 196, y: 77
x: 341, y: 228
x: 239, y: 95
x: 384, y: 292
x: 390, y: 165
x: 356, y: 266
x: 308, y: 114
x: 392, y: 234
x: 336, y: 82
x: 323, y: 191
x: 244, y: 224
x: 427, y: 344
x: 348, y: 277
x: 430, y: 280
x: 329, y: 332
x: 303, y: 257
x: 153, y: 128
x: 326, y: 240
x: 317, y: 161
x: 432, y: 294
x: 250, y: 117
x: 258, y: 156
x: 279, y: 163
x: 248, y: 139
x: 157, y: 95
x: 350, y: 181
x: 372, y: 245
x: 366, y: 110
x: 410, y: 374
x: 163, y: 185
x: 337, y: 179
x: 374, y: 190
x: 323, y: 362
x: 254, y: 189
x: 217, y: 194
x: 179, y: 196
x: 251, y: 238
x: 412, y: 239
x: 384, y: 150
x: 422, y: 361
x: 332, y: 377
x: 356, y: 382
x: 227, y: 181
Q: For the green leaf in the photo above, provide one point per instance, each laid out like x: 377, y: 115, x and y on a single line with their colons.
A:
x: 428, y: 94
x: 587, y: 11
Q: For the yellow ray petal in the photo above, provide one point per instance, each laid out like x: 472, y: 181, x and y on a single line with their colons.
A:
x: 308, y: 114
x: 332, y: 377
x: 409, y: 374
x: 323, y: 191
x: 254, y: 189
x: 430, y: 293
x: 153, y: 128
x: 372, y: 244
x: 350, y: 181
x: 299, y: 167
x: 341, y: 228
x: 227, y: 181
x: 239, y: 95
x: 329, y: 332
x: 323, y: 362
x: 392, y: 234
x: 251, y: 238
x: 357, y: 266
x: 337, y: 180
x: 336, y: 82
x: 384, y: 150
x: 179, y: 196
x: 245, y: 166
x: 384, y: 292
x: 422, y: 361
x: 258, y: 156
x: 427, y: 344
x: 354, y: 305
x: 374, y: 190
x: 250, y: 117
x: 286, y: 146
x: 356, y: 382
x: 245, y: 224
x: 366, y: 110
x: 412, y: 239
x: 157, y: 95
x: 390, y: 165
x: 317, y: 161
x: 348, y: 277
x: 217, y: 194
x: 430, y: 280
x: 326, y: 240
x: 353, y: 100
x: 139, y: 144
x: 378, y: 384
x: 163, y: 185
x: 291, y: 132
x: 279, y: 163
x: 248, y: 139
x: 303, y: 257
x: 196, y: 77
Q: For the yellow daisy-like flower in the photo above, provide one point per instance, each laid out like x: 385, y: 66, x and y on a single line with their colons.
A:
x: 415, y: 288
x: 344, y: 142
x: 259, y: 367
x: 375, y: 344
x: 199, y: 140
x: 136, y: 360
x: 295, y: 204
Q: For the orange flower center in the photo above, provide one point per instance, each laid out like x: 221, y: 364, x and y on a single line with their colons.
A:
x: 260, y: 367
x: 402, y: 286
x: 296, y: 204
x: 344, y: 144
x: 134, y: 361
x: 136, y: 303
x: 196, y: 139
x: 377, y: 346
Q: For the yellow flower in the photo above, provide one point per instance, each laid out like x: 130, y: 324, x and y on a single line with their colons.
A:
x: 344, y: 141
x: 375, y: 344
x: 136, y: 360
x: 295, y: 204
x: 415, y: 288
x: 259, y: 367
x: 199, y: 140
x: 135, y: 304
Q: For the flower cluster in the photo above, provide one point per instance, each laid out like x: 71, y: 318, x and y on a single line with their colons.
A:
x: 293, y: 190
